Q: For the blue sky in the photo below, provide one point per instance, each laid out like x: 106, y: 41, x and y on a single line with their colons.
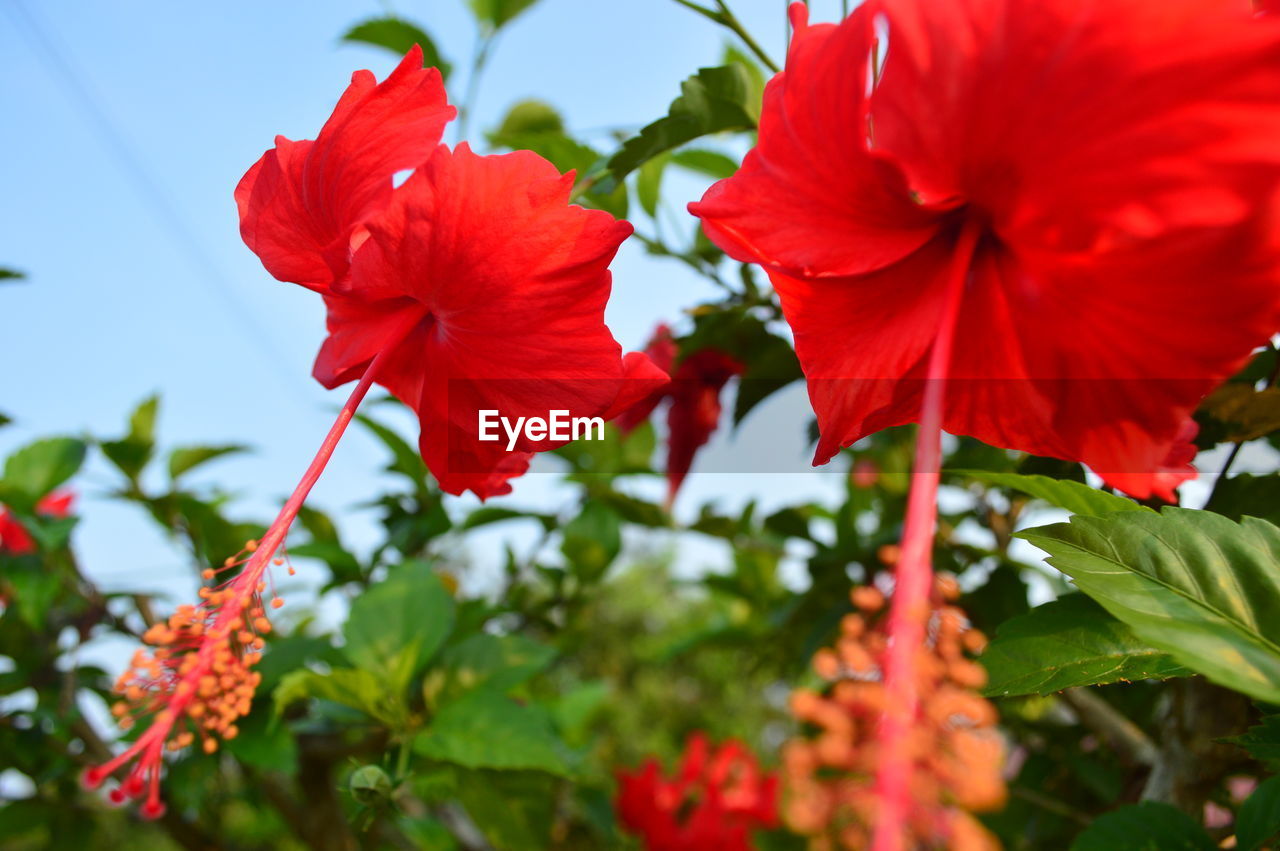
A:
x: 127, y: 127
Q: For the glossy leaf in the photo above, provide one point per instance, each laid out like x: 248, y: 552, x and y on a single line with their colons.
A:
x: 1069, y: 642
x: 1076, y: 497
x: 712, y: 101
x: 398, y: 36
x: 1193, y: 583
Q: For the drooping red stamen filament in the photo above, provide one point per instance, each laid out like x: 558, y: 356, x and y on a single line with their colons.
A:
x: 198, y: 679
x: 914, y: 572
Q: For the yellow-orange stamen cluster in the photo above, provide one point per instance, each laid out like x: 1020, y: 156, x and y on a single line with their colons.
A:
x: 957, y: 753
x: 197, y: 678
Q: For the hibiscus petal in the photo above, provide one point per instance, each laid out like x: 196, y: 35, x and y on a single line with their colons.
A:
x: 809, y: 199
x: 1078, y: 125
x: 302, y: 202
x: 515, y: 281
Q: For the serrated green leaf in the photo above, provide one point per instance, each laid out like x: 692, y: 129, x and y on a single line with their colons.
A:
x: 38, y: 468
x: 1259, y: 818
x: 396, y: 626
x: 1069, y: 642
x: 711, y: 101
x: 398, y: 36
x: 1076, y: 497
x: 711, y: 163
x: 186, y: 458
x: 1148, y: 826
x: 486, y: 729
x: 1193, y: 583
x: 1261, y: 741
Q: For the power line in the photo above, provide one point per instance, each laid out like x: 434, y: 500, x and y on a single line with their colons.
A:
x: 167, y: 214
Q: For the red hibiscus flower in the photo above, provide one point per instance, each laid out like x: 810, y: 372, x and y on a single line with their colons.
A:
x: 1085, y: 201
x: 16, y: 540
x: 694, y: 391
x: 714, y: 802
x: 480, y: 286
x: 473, y: 286
x: 1044, y: 224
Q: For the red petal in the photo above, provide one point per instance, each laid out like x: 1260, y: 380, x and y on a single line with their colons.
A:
x: 515, y: 281
x: 810, y: 199
x: 300, y: 205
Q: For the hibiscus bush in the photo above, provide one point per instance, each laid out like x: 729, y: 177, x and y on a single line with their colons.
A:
x: 1023, y: 258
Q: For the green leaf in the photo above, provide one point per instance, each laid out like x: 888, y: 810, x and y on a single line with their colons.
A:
x: 486, y: 729
x: 396, y: 626
x: 398, y: 36
x: 132, y: 452
x: 1261, y: 741
x: 649, y: 183
x: 1192, y: 583
x: 592, y: 540
x: 711, y: 163
x: 11, y: 275
x: 186, y: 458
x: 5, y: 420
x: 494, y: 14
x: 1148, y: 826
x: 1259, y: 818
x: 526, y: 117
x: 498, y: 663
x: 351, y: 687
x: 1076, y: 497
x: 1247, y: 495
x: 755, y: 74
x: 405, y: 459
x: 38, y: 468
x: 711, y: 101
x: 1066, y: 643
x: 263, y: 742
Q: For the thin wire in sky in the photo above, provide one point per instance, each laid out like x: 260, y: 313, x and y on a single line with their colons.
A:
x: 167, y: 214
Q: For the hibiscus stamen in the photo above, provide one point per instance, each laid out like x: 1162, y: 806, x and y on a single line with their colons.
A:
x: 909, y: 613
x: 198, y: 681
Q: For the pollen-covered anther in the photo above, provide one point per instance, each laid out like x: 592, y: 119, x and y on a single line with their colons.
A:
x: 955, y: 750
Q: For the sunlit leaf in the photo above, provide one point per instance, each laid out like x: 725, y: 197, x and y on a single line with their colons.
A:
x: 1192, y: 583
x: 397, y: 625
x: 186, y: 458
x: 1069, y: 642
x: 1076, y: 497
x: 486, y: 729
x: 38, y: 468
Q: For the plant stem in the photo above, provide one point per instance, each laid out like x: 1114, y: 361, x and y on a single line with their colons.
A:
x: 724, y: 16
x: 914, y: 572
x: 483, y: 46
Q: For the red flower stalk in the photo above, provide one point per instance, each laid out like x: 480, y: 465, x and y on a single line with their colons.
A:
x: 957, y: 754
x: 694, y: 393
x: 715, y: 800
x: 15, y: 539
x: 473, y: 285
x: 1043, y: 224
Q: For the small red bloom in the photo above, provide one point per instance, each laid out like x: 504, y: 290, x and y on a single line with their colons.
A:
x: 484, y: 286
x: 714, y: 802
x: 14, y: 539
x: 1099, y: 177
x: 694, y: 391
